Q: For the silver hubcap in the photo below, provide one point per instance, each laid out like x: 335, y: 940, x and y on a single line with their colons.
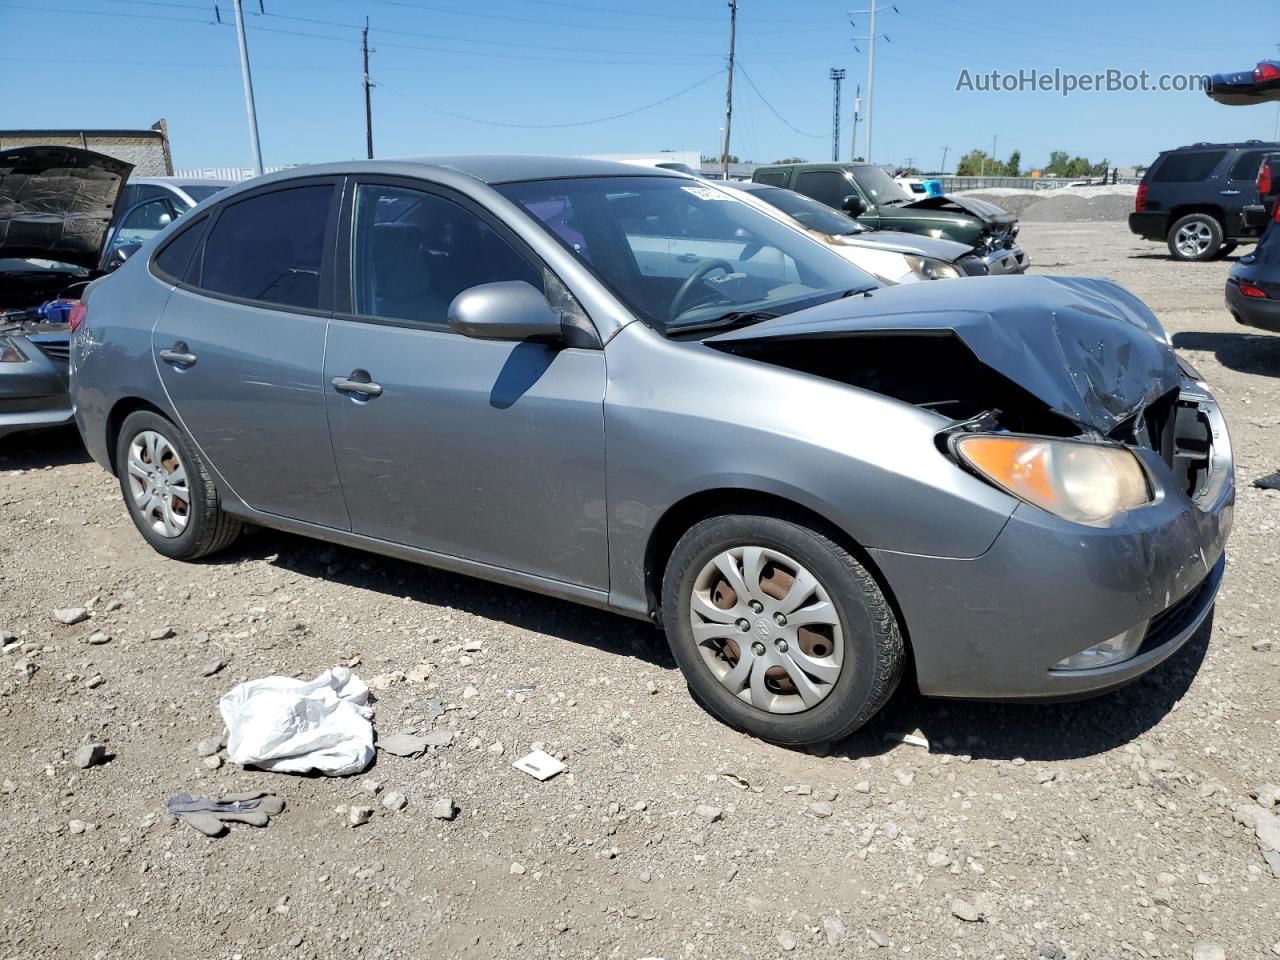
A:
x: 1193, y: 239
x: 766, y: 629
x: 158, y: 483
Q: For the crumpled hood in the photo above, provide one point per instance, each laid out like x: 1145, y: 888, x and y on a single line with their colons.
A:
x: 895, y: 241
x: 1248, y: 87
x: 56, y: 203
x: 1089, y: 349
x: 988, y: 213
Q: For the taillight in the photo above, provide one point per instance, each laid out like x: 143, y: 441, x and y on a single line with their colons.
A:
x: 1249, y: 290
x: 77, y: 315
x: 1140, y: 202
x: 1275, y: 212
x: 1267, y: 71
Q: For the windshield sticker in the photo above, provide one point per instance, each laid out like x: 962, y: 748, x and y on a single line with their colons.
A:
x: 706, y: 193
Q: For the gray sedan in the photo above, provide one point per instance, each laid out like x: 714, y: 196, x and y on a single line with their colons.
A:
x: 632, y: 390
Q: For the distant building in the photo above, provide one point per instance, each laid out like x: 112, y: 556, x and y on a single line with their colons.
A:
x: 147, y: 150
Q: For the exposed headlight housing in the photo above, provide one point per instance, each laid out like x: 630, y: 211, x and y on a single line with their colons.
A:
x: 9, y: 352
x: 929, y: 268
x: 1115, y: 650
x: 1074, y: 479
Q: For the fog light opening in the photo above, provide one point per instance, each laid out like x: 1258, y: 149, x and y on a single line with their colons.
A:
x: 1115, y: 650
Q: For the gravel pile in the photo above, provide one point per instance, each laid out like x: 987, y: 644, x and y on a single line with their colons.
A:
x: 1064, y: 204
x: 1138, y: 826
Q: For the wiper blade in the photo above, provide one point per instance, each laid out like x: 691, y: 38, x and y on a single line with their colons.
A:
x: 735, y: 318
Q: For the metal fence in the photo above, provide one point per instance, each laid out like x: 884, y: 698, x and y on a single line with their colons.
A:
x: 226, y: 173
x: 957, y: 184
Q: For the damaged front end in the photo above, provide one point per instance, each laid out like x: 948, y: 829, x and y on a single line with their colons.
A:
x: 1065, y: 394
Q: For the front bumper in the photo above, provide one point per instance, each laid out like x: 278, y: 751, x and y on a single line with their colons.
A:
x: 1006, y: 260
x: 33, y: 394
x: 995, y: 626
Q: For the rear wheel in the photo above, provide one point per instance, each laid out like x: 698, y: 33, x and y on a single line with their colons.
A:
x: 778, y: 629
x: 1197, y: 236
x: 168, y: 490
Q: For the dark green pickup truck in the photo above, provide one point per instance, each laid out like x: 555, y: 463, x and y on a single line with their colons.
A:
x: 867, y: 192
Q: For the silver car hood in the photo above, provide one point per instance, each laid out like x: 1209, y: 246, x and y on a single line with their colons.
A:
x: 1086, y: 347
x: 906, y: 243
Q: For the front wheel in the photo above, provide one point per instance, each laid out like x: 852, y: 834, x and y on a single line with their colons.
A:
x: 778, y: 629
x: 167, y: 488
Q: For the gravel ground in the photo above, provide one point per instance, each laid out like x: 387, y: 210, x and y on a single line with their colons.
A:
x: 1106, y: 829
x: 1064, y: 204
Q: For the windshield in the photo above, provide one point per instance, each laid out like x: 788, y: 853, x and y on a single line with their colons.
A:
x: 810, y: 213
x: 202, y: 192
x: 680, y: 253
x: 881, y: 187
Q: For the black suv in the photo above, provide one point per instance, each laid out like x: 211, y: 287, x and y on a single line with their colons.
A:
x: 1196, y: 198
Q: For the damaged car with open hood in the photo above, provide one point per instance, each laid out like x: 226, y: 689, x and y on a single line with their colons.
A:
x: 56, y: 207
x: 1009, y: 487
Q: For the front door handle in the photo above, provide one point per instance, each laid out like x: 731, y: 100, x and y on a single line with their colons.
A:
x: 179, y: 354
x: 1229, y: 193
x: 688, y: 258
x: 364, y: 388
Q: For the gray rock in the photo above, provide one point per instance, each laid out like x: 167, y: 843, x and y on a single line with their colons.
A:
x: 444, y: 809
x: 708, y: 813
x: 438, y: 738
x: 403, y: 745
x: 212, y: 763
x: 98, y: 638
x: 878, y: 938
x: 517, y: 870
x: 89, y: 755
x: 357, y: 816
x: 1268, y: 795
x: 208, y: 746
x: 834, y: 930
x: 71, y: 615
x: 371, y: 786
x: 1273, y: 861
x: 965, y: 911
x: 212, y: 667
x: 1267, y: 830
x: 161, y: 633
x: 786, y: 940
x: 395, y: 800
x: 821, y: 809
x: 1206, y: 950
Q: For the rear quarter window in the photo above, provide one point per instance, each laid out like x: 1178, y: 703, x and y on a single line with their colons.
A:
x: 174, y: 261
x: 1189, y: 167
x: 1246, y: 168
x: 776, y: 179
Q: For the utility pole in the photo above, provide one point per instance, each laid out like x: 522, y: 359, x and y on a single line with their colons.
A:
x: 368, y: 104
x: 836, y: 75
x: 871, y: 64
x: 857, y: 115
x: 728, y: 96
x: 944, y: 160
x: 248, y: 91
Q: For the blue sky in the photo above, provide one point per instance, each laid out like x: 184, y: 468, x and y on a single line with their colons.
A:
x: 126, y: 63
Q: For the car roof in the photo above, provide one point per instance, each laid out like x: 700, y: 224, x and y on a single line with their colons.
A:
x: 487, y: 168
x: 181, y: 182
x: 1239, y: 145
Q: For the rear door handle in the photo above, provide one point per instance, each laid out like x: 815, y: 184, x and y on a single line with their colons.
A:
x: 364, y: 388
x: 688, y: 258
x: 179, y: 354
x: 1229, y: 193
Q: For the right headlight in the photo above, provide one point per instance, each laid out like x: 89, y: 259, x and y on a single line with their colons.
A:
x: 9, y: 352
x: 1077, y: 480
x: 929, y: 268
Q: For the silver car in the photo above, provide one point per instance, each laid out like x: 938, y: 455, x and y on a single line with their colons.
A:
x: 629, y: 389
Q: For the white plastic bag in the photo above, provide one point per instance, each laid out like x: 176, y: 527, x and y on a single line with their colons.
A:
x: 296, y: 726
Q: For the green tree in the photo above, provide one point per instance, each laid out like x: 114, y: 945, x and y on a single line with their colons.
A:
x: 792, y: 160
x: 1059, y: 164
x: 975, y: 163
x: 1014, y: 167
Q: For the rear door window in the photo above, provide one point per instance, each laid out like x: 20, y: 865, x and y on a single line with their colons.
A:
x: 825, y: 186
x: 270, y: 247
x: 1246, y: 168
x: 1190, y: 167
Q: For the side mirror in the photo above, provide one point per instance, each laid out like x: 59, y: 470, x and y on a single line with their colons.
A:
x: 852, y: 204
x: 506, y: 310
x: 120, y: 254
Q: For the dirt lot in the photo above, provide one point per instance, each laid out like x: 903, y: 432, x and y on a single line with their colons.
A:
x: 1098, y: 830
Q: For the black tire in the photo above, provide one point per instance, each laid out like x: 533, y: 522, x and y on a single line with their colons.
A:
x: 208, y: 528
x: 873, y: 652
x: 1204, y: 223
x: 1228, y: 248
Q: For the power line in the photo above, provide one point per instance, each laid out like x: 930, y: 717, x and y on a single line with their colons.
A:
x: 551, y: 126
x: 764, y: 100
